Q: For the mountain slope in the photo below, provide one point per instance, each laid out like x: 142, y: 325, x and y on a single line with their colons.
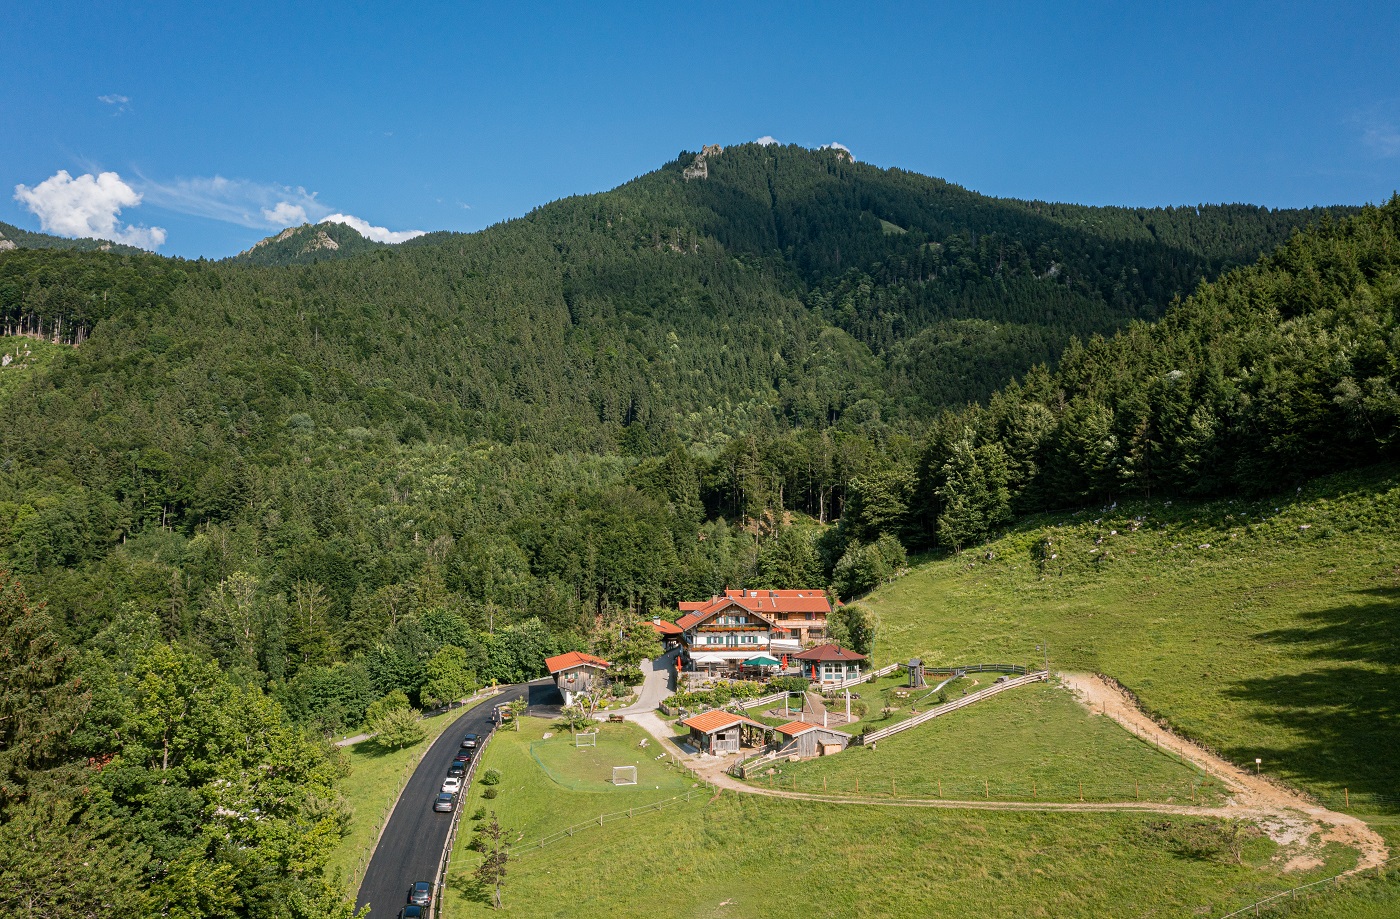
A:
x: 12, y: 237
x: 306, y: 244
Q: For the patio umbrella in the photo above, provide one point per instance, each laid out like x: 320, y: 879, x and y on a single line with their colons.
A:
x: 762, y: 660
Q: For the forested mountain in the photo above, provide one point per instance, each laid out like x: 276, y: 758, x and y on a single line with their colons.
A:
x: 14, y: 238
x: 267, y: 495
x: 307, y: 244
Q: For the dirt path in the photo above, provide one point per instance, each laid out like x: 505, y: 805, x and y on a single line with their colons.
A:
x: 1286, y: 816
x: 1251, y: 793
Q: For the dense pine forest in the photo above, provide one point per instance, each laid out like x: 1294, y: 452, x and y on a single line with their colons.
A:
x: 242, y: 501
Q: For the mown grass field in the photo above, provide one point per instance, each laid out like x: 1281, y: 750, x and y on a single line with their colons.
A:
x: 1264, y: 629
x: 1031, y: 743
x: 376, y: 775
x: 752, y: 857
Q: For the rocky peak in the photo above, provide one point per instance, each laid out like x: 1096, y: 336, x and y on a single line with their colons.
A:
x: 700, y: 167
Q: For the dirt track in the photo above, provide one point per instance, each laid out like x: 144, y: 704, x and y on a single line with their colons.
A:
x: 1284, y: 815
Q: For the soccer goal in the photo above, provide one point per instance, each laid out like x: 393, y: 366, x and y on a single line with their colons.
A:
x: 586, y: 740
x: 624, y: 775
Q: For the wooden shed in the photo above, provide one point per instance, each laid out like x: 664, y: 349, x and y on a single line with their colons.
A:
x: 798, y: 738
x: 720, y: 732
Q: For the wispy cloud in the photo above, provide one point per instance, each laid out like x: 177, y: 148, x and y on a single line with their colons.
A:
x: 119, y: 102
x: 88, y: 206
x: 368, y: 231
x: 257, y: 205
x: 1378, y: 128
x: 834, y: 146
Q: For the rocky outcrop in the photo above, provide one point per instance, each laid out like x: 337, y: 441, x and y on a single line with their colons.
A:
x: 320, y: 241
x: 6, y: 244
x: 700, y: 167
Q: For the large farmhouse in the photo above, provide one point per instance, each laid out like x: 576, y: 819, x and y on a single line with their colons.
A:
x: 723, y: 633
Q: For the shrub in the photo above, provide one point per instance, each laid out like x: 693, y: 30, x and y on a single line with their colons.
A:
x: 489, y: 793
x: 480, y: 813
x: 790, y: 684
x: 490, y: 777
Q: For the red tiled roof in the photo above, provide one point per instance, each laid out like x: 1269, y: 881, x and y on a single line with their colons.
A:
x: 782, y: 601
x: 716, y: 720
x: 829, y: 652
x: 665, y: 628
x: 763, y: 602
x: 793, y: 728
x: 574, y: 659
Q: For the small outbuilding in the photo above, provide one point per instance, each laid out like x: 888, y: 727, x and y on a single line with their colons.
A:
x: 669, y: 633
x: 576, y: 672
x: 798, y: 738
x: 719, y: 731
x: 830, y: 663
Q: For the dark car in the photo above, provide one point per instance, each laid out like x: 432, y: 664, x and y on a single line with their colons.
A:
x: 457, y: 768
x: 443, y: 804
x: 464, y: 757
x: 411, y: 912
x: 469, y: 742
x: 421, y: 894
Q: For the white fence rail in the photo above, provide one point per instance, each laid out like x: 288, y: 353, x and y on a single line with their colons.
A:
x: 956, y: 704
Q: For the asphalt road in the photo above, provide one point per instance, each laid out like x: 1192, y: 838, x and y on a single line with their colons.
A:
x: 412, y: 843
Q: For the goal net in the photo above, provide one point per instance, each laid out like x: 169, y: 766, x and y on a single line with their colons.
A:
x: 586, y: 740
x: 624, y: 775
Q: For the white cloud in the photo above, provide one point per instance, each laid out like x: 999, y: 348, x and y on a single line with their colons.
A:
x: 87, y: 206
x: 378, y: 234
x: 115, y: 99
x: 766, y: 140
x: 285, y: 214
x: 258, y: 205
x: 1382, y: 137
x: 834, y: 146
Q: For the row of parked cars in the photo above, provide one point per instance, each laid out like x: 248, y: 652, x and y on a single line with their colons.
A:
x: 456, y: 774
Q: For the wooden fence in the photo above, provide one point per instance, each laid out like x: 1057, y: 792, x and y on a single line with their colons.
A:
x: 1291, y: 897
x: 956, y: 704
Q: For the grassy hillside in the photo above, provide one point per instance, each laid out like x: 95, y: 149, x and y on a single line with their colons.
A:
x: 1032, y: 743
x: 753, y: 857
x: 1263, y: 628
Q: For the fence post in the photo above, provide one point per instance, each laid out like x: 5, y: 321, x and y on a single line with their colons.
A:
x: 1081, y: 790
x: 1346, y: 794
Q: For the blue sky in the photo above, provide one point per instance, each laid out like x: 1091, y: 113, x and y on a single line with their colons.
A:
x: 224, y: 120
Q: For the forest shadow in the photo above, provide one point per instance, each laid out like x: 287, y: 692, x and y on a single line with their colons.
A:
x: 1346, y: 715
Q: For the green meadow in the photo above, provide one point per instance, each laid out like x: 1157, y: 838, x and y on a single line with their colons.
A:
x: 751, y: 856
x: 1031, y: 743
x: 1264, y: 629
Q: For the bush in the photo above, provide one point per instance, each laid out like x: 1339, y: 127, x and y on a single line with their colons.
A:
x: 490, y: 777
x: 489, y: 793
x: 480, y: 813
x: 790, y: 684
x: 398, y: 728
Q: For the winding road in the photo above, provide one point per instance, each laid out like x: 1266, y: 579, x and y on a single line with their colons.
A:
x: 411, y: 846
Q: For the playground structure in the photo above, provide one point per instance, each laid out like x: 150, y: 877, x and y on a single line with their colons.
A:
x: 589, y: 739
x: 624, y: 775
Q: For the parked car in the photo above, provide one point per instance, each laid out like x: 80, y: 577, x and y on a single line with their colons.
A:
x: 443, y: 804
x: 421, y: 894
x: 457, y: 768
x: 469, y: 742
x: 464, y: 757
x: 411, y: 912
x: 452, y: 783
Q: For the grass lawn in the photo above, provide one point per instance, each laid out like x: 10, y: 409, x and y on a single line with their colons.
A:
x: 1263, y: 628
x: 745, y: 856
x: 376, y: 775
x: 1031, y: 741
